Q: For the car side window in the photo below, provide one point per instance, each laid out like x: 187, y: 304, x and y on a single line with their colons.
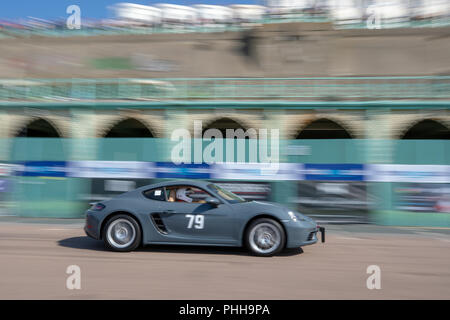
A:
x: 155, y: 194
x: 187, y: 194
x: 198, y: 195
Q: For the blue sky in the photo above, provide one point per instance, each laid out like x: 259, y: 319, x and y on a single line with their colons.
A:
x: 51, y: 9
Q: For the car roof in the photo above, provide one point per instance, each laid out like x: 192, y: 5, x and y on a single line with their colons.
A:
x: 195, y: 183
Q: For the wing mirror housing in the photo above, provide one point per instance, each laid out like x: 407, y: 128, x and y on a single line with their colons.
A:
x: 213, y: 201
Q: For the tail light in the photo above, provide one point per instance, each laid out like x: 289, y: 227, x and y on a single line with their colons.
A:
x: 97, y: 207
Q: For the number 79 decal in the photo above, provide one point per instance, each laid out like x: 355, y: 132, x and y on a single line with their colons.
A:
x: 198, y: 221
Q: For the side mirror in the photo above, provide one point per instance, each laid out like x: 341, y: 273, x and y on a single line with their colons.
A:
x: 213, y: 201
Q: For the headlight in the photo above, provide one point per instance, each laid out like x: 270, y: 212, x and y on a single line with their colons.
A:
x: 292, y: 215
x: 296, y: 216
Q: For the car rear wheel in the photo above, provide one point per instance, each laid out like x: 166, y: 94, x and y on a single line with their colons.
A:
x: 265, y: 237
x: 122, y: 233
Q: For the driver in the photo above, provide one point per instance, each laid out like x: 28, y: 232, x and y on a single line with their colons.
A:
x: 182, y: 194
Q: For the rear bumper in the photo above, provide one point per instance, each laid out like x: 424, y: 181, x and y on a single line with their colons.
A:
x: 91, y: 234
x: 92, y: 226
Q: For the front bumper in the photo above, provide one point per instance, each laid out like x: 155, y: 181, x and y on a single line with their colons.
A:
x: 303, y: 233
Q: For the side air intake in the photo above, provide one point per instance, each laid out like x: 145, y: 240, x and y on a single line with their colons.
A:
x: 159, y: 224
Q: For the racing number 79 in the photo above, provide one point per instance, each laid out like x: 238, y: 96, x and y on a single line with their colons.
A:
x: 195, y: 220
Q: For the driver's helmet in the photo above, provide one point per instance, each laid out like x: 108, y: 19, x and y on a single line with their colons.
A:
x: 182, y: 194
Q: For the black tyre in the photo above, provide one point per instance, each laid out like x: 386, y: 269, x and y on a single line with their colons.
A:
x: 265, y: 237
x: 122, y: 233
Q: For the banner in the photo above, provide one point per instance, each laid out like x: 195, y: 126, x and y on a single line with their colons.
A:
x: 42, y: 169
x: 182, y: 171
x: 408, y: 173
x: 258, y: 171
x: 336, y: 172
x: 7, y: 169
x: 231, y: 171
x: 422, y: 197
x: 334, y: 201
x: 111, y: 169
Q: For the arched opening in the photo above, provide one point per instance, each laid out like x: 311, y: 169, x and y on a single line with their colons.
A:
x: 129, y: 128
x: 323, y: 129
x: 39, y: 128
x: 223, y: 124
x: 427, y: 129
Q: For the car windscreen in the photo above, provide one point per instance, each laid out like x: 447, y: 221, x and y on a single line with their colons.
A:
x: 225, y: 194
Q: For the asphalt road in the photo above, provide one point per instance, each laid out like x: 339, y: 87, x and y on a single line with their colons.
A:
x: 34, y: 256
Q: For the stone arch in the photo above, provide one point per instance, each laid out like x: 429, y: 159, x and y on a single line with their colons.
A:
x: 38, y: 127
x: 223, y: 123
x: 136, y: 129
x: 317, y: 129
x: 426, y: 129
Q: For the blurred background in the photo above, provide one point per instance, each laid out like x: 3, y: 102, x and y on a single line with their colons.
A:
x: 359, y: 91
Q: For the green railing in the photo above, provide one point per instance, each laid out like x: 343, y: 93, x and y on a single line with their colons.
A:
x: 322, y: 88
x: 88, y: 31
x: 293, y: 18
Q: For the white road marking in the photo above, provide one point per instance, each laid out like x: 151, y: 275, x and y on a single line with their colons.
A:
x: 350, y: 238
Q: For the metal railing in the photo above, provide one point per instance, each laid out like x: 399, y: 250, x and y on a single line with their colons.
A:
x: 314, y: 88
x: 61, y: 31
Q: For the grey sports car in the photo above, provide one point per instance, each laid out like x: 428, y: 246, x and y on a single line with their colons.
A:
x: 197, y: 213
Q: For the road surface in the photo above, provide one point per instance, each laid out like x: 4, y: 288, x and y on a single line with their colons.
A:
x: 35, y: 254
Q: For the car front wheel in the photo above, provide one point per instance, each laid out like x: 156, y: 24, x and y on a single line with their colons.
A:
x: 265, y: 237
x: 122, y: 233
